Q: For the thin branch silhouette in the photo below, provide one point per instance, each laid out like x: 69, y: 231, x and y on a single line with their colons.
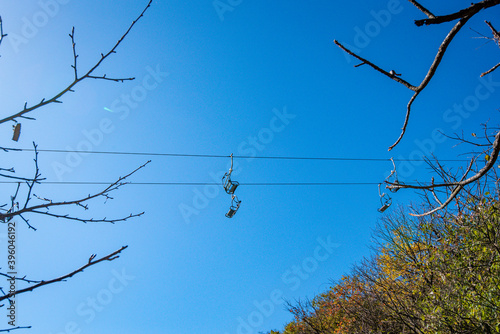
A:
x: 77, y: 79
x: 91, y: 262
x: 451, y: 184
x: 43, y: 208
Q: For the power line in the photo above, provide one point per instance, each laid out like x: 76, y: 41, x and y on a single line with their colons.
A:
x: 223, y: 156
x: 206, y: 183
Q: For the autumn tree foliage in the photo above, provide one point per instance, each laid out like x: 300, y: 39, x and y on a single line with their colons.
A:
x: 438, y: 273
x: 435, y: 266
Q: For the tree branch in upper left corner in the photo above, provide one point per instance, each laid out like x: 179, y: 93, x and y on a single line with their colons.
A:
x: 87, y: 75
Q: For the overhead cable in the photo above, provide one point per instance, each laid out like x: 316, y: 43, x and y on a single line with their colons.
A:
x: 222, y: 156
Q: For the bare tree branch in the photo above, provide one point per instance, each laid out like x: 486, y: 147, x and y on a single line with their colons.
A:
x: 496, y: 38
x: 462, y: 140
x: 422, y: 9
x: 490, y: 70
x: 23, y: 279
x: 470, y: 11
x: 15, y: 208
x: 15, y: 177
x: 450, y: 198
x: 443, y: 205
x: 432, y: 70
x: 2, y: 35
x: 495, y: 149
x: 36, y: 179
x: 90, y: 263
x: 496, y: 35
x: 88, y: 75
x: 387, y: 73
x: 90, y: 220
x: 457, y: 186
x: 7, y: 149
x: 14, y: 328
x: 79, y: 202
x: 430, y: 73
x: 435, y: 196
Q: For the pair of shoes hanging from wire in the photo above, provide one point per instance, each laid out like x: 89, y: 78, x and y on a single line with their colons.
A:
x: 230, y: 187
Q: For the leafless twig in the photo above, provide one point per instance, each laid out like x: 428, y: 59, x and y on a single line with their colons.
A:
x: 470, y: 11
x: 43, y: 209
x: 417, y: 89
x: 489, y: 164
x: 2, y: 35
x: 422, y: 9
x: 87, y: 75
x: 496, y: 38
x: 14, y: 328
x: 23, y: 279
x: 454, y: 186
x: 451, y: 185
x: 90, y: 263
x: 463, y: 17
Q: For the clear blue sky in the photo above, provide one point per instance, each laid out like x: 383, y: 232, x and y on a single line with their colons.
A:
x: 259, y: 78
